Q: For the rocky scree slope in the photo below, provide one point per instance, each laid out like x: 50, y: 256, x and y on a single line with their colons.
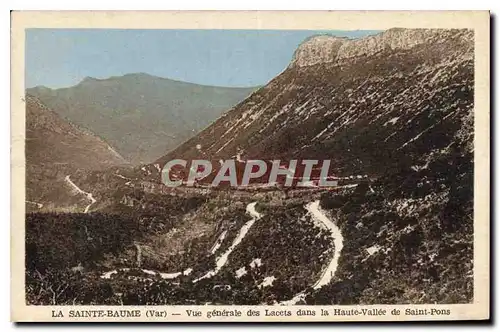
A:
x: 368, y: 104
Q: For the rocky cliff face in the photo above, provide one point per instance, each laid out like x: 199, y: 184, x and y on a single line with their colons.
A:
x: 318, y: 49
x: 326, y: 48
x: 365, y: 103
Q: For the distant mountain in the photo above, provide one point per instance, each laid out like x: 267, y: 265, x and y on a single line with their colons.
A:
x: 141, y: 116
x: 56, y: 148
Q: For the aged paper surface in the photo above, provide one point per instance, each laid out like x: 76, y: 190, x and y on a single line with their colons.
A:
x: 250, y: 166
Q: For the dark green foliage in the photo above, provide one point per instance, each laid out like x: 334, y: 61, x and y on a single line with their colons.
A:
x: 58, y: 241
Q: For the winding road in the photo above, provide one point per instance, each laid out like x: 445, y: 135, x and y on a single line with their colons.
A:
x: 338, y: 241
x: 38, y: 205
x: 314, y: 210
x: 221, y: 260
x: 218, y: 242
x: 79, y: 191
x: 319, y: 215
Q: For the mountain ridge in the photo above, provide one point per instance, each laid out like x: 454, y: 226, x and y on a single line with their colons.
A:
x: 140, y: 115
x: 312, y: 111
x: 327, y: 48
x: 89, y: 79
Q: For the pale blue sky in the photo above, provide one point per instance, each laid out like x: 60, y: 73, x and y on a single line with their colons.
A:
x: 63, y: 57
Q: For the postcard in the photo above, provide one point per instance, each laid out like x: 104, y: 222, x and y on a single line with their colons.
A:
x: 250, y: 166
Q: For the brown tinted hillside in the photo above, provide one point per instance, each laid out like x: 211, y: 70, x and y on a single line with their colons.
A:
x: 56, y: 148
x: 364, y: 103
x: 140, y: 115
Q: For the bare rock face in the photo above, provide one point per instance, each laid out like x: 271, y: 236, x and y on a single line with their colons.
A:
x: 326, y: 49
x: 318, y: 49
x: 360, y: 102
